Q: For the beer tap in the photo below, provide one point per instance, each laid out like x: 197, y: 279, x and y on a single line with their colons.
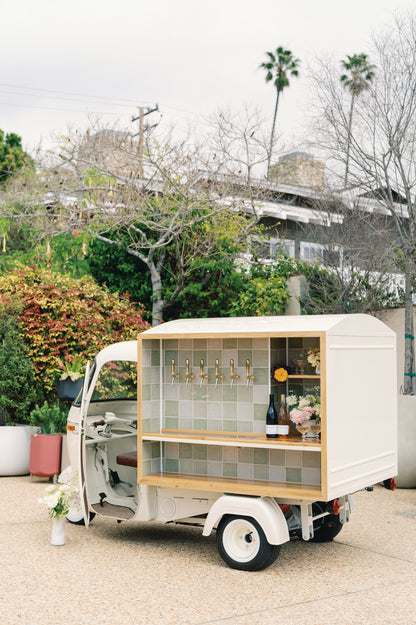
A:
x: 249, y: 378
x: 234, y: 376
x: 218, y: 375
x: 203, y: 376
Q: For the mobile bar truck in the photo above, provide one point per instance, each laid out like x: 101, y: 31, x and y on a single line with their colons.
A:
x: 186, y: 442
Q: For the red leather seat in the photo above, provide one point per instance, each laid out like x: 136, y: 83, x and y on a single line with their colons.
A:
x: 128, y: 459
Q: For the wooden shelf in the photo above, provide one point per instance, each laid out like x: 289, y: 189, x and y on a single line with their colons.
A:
x: 304, y: 376
x: 234, y: 439
x: 264, y: 488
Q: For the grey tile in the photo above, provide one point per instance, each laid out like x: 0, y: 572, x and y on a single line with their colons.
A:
x: 214, y: 453
x: 245, y: 455
x: 293, y: 474
x: 261, y: 472
x: 229, y: 469
x: 260, y: 456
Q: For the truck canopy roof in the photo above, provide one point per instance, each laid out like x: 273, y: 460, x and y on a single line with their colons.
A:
x: 354, y: 324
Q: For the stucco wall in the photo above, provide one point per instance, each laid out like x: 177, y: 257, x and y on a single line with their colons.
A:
x: 394, y: 319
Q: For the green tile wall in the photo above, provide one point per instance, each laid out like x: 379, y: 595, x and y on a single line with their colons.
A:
x: 209, y: 405
x: 243, y: 462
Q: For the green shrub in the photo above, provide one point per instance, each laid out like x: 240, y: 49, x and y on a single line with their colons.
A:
x: 64, y: 318
x: 51, y: 420
x: 17, y: 390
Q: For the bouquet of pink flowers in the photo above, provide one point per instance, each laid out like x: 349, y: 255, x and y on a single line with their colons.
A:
x: 304, y: 407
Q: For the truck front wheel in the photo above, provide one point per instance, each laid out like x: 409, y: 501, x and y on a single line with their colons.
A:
x: 243, y: 545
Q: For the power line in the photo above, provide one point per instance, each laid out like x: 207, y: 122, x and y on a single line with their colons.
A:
x: 52, y: 108
x: 35, y: 95
x: 128, y: 101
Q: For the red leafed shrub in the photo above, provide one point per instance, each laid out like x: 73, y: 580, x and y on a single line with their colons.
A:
x: 64, y: 316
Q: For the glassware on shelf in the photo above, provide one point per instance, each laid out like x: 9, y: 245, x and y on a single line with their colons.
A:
x: 303, y: 428
x: 316, y: 429
x: 300, y: 365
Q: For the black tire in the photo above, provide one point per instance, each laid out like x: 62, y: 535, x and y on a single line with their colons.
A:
x: 242, y: 544
x: 326, y: 528
x: 76, y: 518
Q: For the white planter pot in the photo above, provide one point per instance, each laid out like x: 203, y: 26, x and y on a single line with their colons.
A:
x: 15, y: 449
x: 406, y: 477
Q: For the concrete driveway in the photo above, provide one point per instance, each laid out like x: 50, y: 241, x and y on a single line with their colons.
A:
x: 153, y: 574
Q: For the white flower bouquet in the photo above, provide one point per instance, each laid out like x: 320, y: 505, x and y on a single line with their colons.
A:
x: 304, y: 407
x: 58, y: 498
x: 313, y: 356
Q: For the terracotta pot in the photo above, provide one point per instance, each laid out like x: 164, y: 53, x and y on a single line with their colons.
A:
x: 45, y: 454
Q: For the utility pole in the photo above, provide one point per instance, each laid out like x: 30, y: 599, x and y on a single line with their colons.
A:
x: 143, y: 111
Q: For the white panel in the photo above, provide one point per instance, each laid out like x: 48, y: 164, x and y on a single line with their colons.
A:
x: 361, y: 412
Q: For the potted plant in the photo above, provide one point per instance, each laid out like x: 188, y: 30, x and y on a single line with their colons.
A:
x: 17, y: 394
x: 46, y: 446
x: 70, y: 382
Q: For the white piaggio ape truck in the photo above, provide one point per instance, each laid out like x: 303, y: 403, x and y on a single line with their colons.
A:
x: 171, y: 428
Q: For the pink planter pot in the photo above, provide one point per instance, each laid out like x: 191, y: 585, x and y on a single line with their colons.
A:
x: 45, y: 454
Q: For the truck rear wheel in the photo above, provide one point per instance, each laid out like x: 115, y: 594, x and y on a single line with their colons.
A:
x: 242, y: 544
x: 326, y: 528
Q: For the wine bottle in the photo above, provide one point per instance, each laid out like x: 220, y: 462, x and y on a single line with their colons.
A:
x: 283, y: 419
x: 271, y: 419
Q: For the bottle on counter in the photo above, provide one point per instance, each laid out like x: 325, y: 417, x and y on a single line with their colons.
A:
x: 283, y: 419
x: 271, y: 419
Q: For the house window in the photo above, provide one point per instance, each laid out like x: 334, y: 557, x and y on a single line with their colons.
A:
x: 311, y: 251
x: 329, y: 256
x: 281, y: 246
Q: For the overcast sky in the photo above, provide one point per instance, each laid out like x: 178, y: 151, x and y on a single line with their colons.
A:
x: 65, y: 60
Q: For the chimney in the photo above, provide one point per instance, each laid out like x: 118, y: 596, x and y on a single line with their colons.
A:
x: 299, y: 169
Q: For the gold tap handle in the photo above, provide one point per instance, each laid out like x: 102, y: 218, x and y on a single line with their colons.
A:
x: 172, y: 362
x: 201, y: 366
x: 187, y: 366
x: 247, y: 367
x: 232, y: 367
x: 217, y: 366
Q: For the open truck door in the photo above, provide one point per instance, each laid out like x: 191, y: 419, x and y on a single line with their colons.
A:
x: 81, y: 469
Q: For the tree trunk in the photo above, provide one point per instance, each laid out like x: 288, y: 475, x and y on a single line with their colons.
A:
x: 347, y: 161
x: 409, y: 386
x: 158, y: 305
x: 272, y: 134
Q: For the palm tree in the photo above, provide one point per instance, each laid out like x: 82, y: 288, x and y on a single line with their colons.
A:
x: 279, y: 67
x: 360, y: 74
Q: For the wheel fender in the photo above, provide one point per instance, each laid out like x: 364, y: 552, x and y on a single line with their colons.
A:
x: 263, y: 509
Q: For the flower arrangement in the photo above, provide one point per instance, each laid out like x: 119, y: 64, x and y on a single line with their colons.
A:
x: 279, y: 373
x: 304, y: 407
x: 58, y: 498
x: 313, y: 356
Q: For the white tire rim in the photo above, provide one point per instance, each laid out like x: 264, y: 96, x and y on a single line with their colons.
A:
x: 75, y: 514
x: 241, y: 540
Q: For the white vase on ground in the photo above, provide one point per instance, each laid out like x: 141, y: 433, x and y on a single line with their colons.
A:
x: 58, y: 531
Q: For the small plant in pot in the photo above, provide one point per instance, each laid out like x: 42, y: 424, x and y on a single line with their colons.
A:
x: 70, y: 382
x: 45, y: 447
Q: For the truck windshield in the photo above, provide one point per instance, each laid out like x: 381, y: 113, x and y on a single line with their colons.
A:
x: 117, y: 380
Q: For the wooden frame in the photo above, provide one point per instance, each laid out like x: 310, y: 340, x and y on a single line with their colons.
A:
x: 238, y: 439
